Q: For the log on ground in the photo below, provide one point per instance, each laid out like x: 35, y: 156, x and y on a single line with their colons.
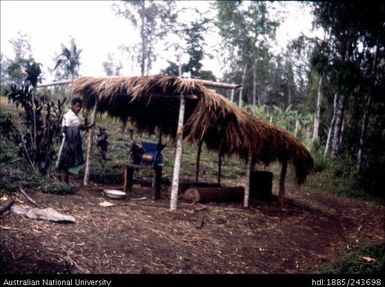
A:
x: 217, y: 194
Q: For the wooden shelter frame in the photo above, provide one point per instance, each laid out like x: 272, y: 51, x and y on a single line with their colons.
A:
x: 179, y: 146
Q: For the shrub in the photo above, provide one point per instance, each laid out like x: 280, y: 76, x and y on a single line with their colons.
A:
x: 368, y: 259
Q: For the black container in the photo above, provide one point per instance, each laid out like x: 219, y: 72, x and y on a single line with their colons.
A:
x: 261, y: 185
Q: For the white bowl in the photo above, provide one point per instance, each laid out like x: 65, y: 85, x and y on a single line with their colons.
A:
x: 115, y: 194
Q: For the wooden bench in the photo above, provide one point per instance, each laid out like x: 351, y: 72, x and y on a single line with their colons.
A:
x: 129, y: 178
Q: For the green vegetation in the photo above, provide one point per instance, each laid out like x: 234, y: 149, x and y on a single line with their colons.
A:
x: 368, y: 259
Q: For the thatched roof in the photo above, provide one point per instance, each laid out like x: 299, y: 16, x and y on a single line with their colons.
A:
x: 153, y: 101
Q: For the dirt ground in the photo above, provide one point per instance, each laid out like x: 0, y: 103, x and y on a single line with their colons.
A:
x: 145, y: 237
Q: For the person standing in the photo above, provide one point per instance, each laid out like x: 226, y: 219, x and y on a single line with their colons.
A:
x: 70, y: 158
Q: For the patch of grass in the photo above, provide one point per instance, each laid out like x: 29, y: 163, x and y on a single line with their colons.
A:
x: 337, y: 177
x: 56, y: 187
x: 368, y: 259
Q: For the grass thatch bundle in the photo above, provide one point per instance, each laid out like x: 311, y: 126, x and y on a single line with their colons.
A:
x: 153, y: 101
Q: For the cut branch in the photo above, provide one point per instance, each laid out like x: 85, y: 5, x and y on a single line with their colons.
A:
x: 29, y: 198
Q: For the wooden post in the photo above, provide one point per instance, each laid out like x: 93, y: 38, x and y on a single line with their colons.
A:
x: 282, y: 183
x: 128, y: 179
x: 90, y: 145
x: 158, y: 178
x: 198, y: 160
x: 232, y: 95
x: 219, y: 168
x: 178, y: 156
x: 247, y: 187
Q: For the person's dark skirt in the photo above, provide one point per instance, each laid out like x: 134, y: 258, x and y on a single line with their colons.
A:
x: 71, y: 158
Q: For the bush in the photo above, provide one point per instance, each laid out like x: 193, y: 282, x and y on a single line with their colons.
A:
x: 56, y: 187
x: 369, y: 259
x: 320, y: 163
x: 337, y: 177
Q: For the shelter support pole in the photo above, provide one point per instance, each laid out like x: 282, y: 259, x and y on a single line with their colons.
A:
x: 90, y: 145
x: 282, y: 183
x: 219, y: 168
x: 232, y: 95
x: 198, y: 160
x: 247, y: 187
x: 240, y: 97
x: 178, y: 156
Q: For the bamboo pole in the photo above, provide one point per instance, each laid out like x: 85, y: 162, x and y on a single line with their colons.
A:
x: 198, y: 160
x: 247, y: 187
x: 90, y: 146
x: 58, y: 83
x: 282, y: 177
x: 203, y: 82
x: 178, y: 156
x: 218, y: 84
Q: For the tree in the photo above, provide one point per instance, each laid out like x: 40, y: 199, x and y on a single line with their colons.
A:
x: 319, y: 65
x: 23, y: 55
x: 68, y: 61
x: 3, y: 68
x: 356, y: 74
x: 350, y: 24
x: 154, y: 20
x: 41, y: 120
x: 110, y: 67
x: 193, y: 35
x: 246, y: 29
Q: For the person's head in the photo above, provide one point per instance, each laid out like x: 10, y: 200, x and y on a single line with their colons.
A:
x: 76, y: 105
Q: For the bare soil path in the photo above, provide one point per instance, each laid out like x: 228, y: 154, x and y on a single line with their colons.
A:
x: 144, y: 237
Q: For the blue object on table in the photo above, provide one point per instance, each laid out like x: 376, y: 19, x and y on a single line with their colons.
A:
x: 152, y: 154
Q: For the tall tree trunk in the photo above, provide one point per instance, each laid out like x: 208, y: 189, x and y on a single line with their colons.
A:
x: 240, y: 97
x: 343, y: 126
x: 143, y: 44
x: 243, y: 82
x: 365, y: 121
x: 364, y: 128
x: 317, y: 115
x: 289, y: 96
x: 259, y: 98
x: 340, y: 114
x: 254, y: 84
x: 178, y: 156
x: 331, y: 127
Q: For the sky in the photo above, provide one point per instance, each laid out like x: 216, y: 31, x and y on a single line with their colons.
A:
x: 99, y: 31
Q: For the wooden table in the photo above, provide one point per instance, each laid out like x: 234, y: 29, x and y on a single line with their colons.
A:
x: 129, y: 178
